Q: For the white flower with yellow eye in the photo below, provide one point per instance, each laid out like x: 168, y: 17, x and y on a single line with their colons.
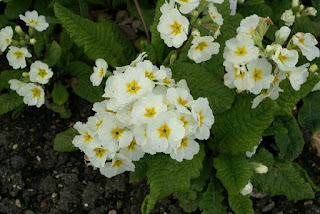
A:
x: 187, y: 149
x: 140, y: 58
x: 33, y: 95
x: 32, y: 19
x: 133, y: 151
x: 202, y: 112
x: 214, y: 14
x: 288, y: 17
x: 99, y: 71
x: 307, y: 44
x: 95, y: 121
x: 168, y: 81
x: 173, y: 28
x: 183, y: 84
x: 249, y: 25
x: 189, y: 122
x: 99, y: 155
x: 298, y: 76
x: 147, y: 108
x: 15, y: 85
x: 260, y: 71
x: 17, y: 57
x: 285, y: 58
x: 165, y: 132
x: 101, y: 108
x: 187, y: 6
x: 237, y: 76
x: 40, y: 72
x: 124, y: 114
x: 151, y: 71
x: 140, y: 134
x: 203, y: 48
x: 87, y: 140
x: 114, y: 135
x: 240, y: 49
x: 119, y: 164
x: 6, y: 34
x: 180, y: 98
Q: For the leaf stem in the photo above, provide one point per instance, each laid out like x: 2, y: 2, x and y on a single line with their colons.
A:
x: 143, y: 20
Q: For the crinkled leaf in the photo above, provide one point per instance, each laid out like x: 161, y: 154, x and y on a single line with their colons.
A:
x: 53, y: 54
x: 9, y: 102
x: 99, y: 40
x: 281, y: 6
x: 59, y: 94
x: 167, y: 176
x: 63, y: 110
x: 63, y: 141
x: 234, y: 172
x: 140, y: 169
x: 263, y: 156
x: 241, y: 204
x: 309, y: 113
x: 146, y: 47
x: 7, y: 75
x: 275, y: 129
x: 261, y: 10
x: 304, y: 25
x: 240, y: 128
x: 39, y: 45
x: 290, y: 144
x: 204, y: 84
x: 16, y: 7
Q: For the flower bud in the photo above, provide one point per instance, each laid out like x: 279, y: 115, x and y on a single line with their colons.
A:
x: 301, y: 8
x: 32, y: 41
x: 195, y: 33
x: 247, y: 189
x: 271, y: 49
x: 173, y: 57
x: 261, y: 169
x: 313, y: 68
x: 25, y: 74
x: 282, y: 35
x: 288, y: 17
x: 295, y: 3
x: 19, y: 30
x: 240, y: 1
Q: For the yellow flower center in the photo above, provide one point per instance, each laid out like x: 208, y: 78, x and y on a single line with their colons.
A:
x: 238, y: 75
x: 116, y: 132
x: 150, y: 112
x: 117, y: 163
x: 182, y: 101
x: 302, y: 40
x: 113, y: 112
x: 150, y: 75
x: 99, y: 123
x: 201, y: 118
x: 36, y: 92
x: 276, y: 79
x: 145, y: 133
x: 18, y: 54
x: 87, y: 137
x: 257, y: 74
x: 185, y: 122
x: 184, y: 1
x: 166, y: 81
x: 101, y: 72
x: 100, y: 152
x: 132, y: 145
x: 133, y: 87
x: 282, y: 58
x: 176, y: 28
x: 42, y: 73
x: 34, y: 22
x: 201, y: 46
x: 241, y: 51
x: 7, y: 40
x: 184, y: 143
x: 164, y: 131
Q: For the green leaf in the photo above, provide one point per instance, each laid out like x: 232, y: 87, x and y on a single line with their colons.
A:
x: 275, y: 129
x: 290, y: 144
x: 281, y: 6
x: 261, y: 10
x: 263, y: 156
x: 39, y: 45
x: 84, y: 88
x: 9, y: 102
x: 63, y: 110
x: 59, y: 94
x: 309, y: 113
x: 234, y: 172
x: 304, y: 25
x: 167, y: 176
x: 240, y: 128
x: 212, y: 199
x: 146, y: 8
x: 99, y: 40
x: 63, y: 141
x: 204, y: 84
x: 53, y: 54
x: 7, y: 75
x: 316, y: 5
x: 284, y: 178
x: 289, y: 98
x: 3, y: 21
x: 241, y: 204
x: 140, y: 169
x: 152, y: 55
x: 16, y: 7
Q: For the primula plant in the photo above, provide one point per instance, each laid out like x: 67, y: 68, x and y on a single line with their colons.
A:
x: 209, y: 106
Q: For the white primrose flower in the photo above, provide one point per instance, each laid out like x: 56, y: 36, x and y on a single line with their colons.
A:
x: 247, y: 189
x: 249, y: 25
x: 282, y: 34
x: 147, y: 108
x: 202, y: 112
x: 133, y: 151
x: 102, y: 108
x: 168, y: 81
x: 298, y: 76
x: 124, y: 114
x: 166, y: 7
x: 95, y: 121
x: 250, y: 154
x: 99, y: 71
x: 17, y: 57
x: 260, y: 71
x: 140, y: 58
x: 87, y: 140
x: 99, y: 155
x: 261, y: 169
x: 140, y: 135
x: 119, y: 164
x: 15, y: 85
x: 183, y: 84
x: 307, y: 44
x: 33, y: 95
x: 288, y: 17
x: 237, y: 76
x: 285, y: 58
x: 186, y: 6
x: 240, y: 49
x: 214, y: 14
x: 166, y: 132
x: 310, y: 11
x: 40, y: 72
x: 187, y: 149
x: 6, y: 34
x: 215, y: 1
x: 180, y: 98
x: 151, y: 71
x: 233, y: 6
x: 32, y: 19
x: 203, y: 48
x: 173, y: 28
x: 189, y: 122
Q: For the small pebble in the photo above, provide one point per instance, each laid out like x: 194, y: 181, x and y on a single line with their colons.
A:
x: 60, y: 185
x: 86, y: 205
x: 112, y: 212
x: 54, y: 195
x: 15, y: 146
x: 269, y: 207
x: 38, y: 158
x: 310, y: 202
x: 18, y: 203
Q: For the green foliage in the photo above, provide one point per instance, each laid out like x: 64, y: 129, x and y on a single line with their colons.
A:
x: 3, y: 21
x: 16, y: 7
x: 275, y: 129
x: 9, y: 102
x: 290, y: 144
x: 309, y: 113
x: 40, y: 43
x: 281, y: 6
x: 146, y: 8
x: 234, y: 172
x: 7, y: 75
x: 140, y: 169
x: 63, y: 110
x: 316, y: 5
x: 240, y: 128
x: 84, y: 88
x: 289, y: 98
x: 304, y: 25
x: 99, y: 40
x: 146, y: 47
x: 59, y: 94
x: 53, y: 54
x: 263, y: 156
x: 212, y: 199
x: 241, y: 204
x: 261, y: 10
x: 166, y: 176
x: 63, y: 141
x: 204, y: 84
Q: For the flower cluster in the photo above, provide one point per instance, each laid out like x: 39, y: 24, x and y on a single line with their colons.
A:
x: 145, y: 111
x: 252, y: 67
x: 29, y: 85
x: 175, y: 28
